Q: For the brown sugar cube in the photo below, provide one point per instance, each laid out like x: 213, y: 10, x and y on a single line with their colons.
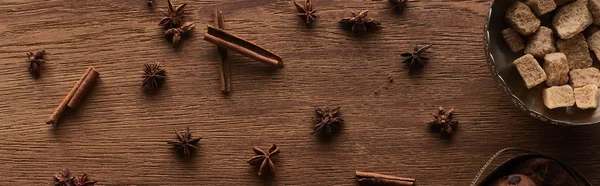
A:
x: 557, y: 69
x: 541, y: 43
x: 586, y: 97
x: 540, y: 7
x: 530, y: 70
x: 594, y: 43
x: 583, y: 77
x: 520, y: 17
x: 595, y: 10
x: 562, y: 2
x: 558, y: 96
x: 572, y: 19
x: 576, y: 50
x: 513, y: 39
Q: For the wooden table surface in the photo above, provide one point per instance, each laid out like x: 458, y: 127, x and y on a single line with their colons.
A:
x: 118, y: 135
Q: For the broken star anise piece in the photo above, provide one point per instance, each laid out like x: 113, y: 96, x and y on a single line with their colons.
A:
x: 36, y: 58
x: 83, y: 181
x: 415, y: 58
x: 360, y: 22
x: 63, y: 178
x: 173, y: 16
x: 306, y: 12
x: 444, y: 122
x: 185, y: 142
x: 150, y: 3
x: 177, y: 32
x: 153, y: 76
x: 263, y: 159
x: 327, y: 119
x: 398, y: 5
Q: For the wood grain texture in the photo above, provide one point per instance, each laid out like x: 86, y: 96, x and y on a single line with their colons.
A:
x: 118, y: 134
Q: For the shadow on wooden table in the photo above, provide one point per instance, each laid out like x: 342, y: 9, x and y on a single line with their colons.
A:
x: 266, y: 179
x: 190, y: 163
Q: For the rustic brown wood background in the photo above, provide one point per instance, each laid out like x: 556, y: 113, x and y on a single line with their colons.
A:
x: 119, y: 133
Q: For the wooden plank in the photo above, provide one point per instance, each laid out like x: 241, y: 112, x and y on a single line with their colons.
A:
x: 118, y: 134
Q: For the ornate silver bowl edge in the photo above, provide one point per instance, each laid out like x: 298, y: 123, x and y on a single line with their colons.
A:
x: 491, y: 63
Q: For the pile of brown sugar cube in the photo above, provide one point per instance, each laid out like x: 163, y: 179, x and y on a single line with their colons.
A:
x: 564, y: 49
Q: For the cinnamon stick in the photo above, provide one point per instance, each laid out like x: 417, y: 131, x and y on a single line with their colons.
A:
x: 224, y: 69
x: 227, y: 40
x: 380, y: 179
x: 65, y: 102
x: 87, y: 84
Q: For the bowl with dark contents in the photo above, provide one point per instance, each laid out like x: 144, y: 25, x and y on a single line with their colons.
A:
x: 532, y: 169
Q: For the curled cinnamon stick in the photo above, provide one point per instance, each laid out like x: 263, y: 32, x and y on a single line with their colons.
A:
x: 227, y: 40
x: 224, y: 70
x: 380, y: 179
x: 87, y: 84
x: 67, y: 100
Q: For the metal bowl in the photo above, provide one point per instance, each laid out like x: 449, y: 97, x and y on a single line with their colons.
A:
x: 499, y: 59
x: 509, y: 166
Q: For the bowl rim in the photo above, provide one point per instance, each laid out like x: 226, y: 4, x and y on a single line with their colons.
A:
x: 500, y: 81
x: 497, y: 172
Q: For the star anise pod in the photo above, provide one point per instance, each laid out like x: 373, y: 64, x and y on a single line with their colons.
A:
x: 173, y: 16
x: 444, y: 122
x: 306, y: 12
x: 415, y: 58
x: 177, y: 32
x: 398, y: 5
x: 82, y: 181
x: 263, y: 159
x: 63, y: 178
x: 327, y: 119
x: 185, y: 142
x: 360, y: 22
x: 35, y: 60
x: 153, y: 76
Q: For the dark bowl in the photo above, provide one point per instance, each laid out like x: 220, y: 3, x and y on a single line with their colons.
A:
x: 509, y: 166
x: 499, y: 59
